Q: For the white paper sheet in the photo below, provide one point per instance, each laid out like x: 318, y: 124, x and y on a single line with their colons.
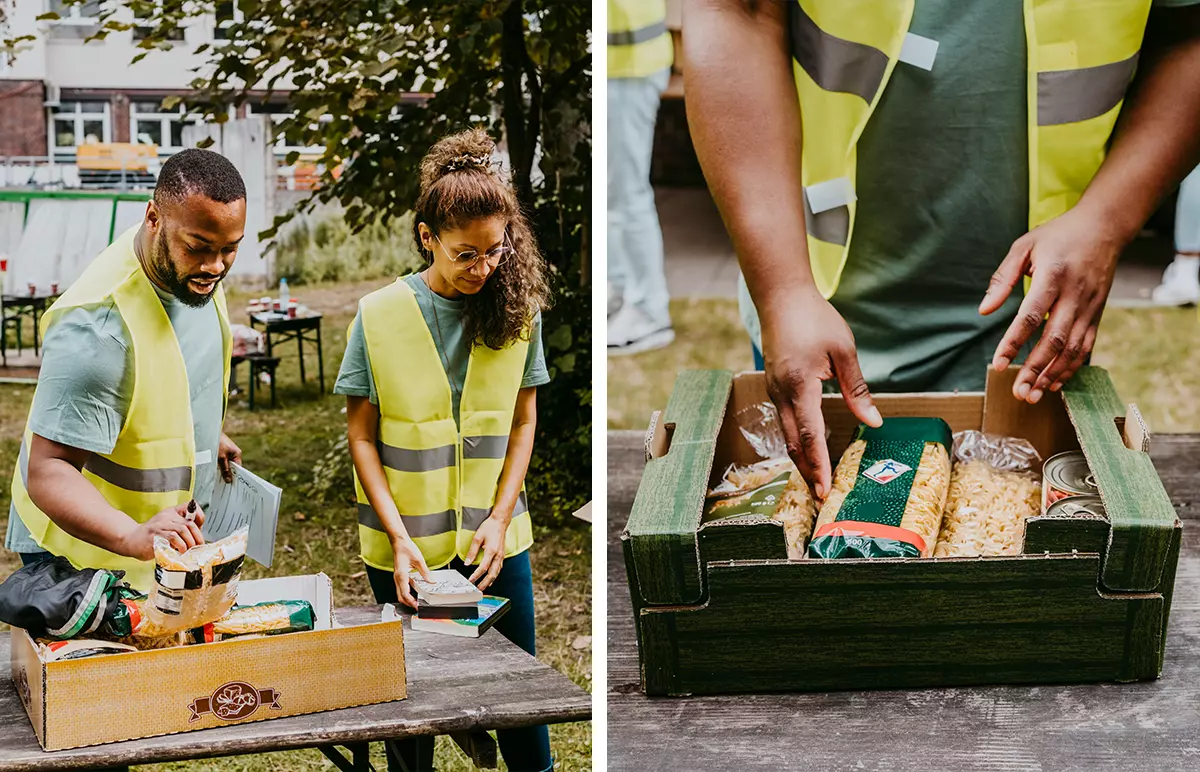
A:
x: 248, y: 500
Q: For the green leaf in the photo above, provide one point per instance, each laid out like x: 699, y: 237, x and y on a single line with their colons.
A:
x: 171, y: 102
x: 52, y: 16
x: 565, y: 363
x: 206, y: 142
x: 292, y: 158
x: 560, y: 339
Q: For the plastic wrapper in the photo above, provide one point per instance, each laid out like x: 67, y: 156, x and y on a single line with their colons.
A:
x: 759, y: 424
x: 994, y: 488
x: 246, y: 340
x: 889, y: 490
x: 195, y: 587
x: 271, y: 618
x: 79, y: 648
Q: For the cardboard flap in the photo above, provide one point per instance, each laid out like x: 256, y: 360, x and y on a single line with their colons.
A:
x: 1142, y: 517
x: 662, y: 526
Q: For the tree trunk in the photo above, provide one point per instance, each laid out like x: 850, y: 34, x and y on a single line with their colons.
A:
x: 517, y: 118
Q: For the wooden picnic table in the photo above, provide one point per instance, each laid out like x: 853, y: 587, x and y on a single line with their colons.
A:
x: 457, y: 686
x: 1149, y: 726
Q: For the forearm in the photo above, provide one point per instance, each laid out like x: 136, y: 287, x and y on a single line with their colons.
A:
x: 1157, y: 140
x: 516, y: 458
x: 744, y: 118
x: 74, y: 505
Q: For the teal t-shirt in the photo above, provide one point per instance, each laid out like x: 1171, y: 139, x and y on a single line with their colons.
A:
x: 443, y: 317
x: 943, y: 192
x: 86, y: 380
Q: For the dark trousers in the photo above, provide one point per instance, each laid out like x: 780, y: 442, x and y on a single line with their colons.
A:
x: 524, y: 750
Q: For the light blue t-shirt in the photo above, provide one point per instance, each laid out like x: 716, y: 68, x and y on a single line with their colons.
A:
x: 86, y: 379
x: 443, y: 317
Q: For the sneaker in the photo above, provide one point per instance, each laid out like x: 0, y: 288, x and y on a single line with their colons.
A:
x: 1180, y: 283
x: 631, y: 332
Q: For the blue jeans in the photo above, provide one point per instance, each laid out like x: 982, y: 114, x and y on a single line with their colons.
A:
x: 524, y: 750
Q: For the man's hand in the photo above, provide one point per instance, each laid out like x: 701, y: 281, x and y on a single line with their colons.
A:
x: 1072, y: 260
x: 805, y: 344
x: 228, y: 455
x: 490, y: 539
x: 408, y: 558
x: 172, y: 524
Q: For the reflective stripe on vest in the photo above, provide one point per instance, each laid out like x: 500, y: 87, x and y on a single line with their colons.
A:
x: 152, y: 464
x: 639, y: 43
x: 1080, y: 61
x: 440, y: 477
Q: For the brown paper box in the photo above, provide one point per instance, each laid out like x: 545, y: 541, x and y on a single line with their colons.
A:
x: 116, y: 697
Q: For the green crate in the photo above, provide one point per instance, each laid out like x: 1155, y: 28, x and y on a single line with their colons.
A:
x: 720, y: 609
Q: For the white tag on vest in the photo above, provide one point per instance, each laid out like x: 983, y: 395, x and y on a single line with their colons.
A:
x: 918, y: 51
x: 203, y: 457
x: 830, y: 194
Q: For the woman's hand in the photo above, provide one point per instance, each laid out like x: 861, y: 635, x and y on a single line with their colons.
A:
x: 227, y: 455
x: 490, y: 539
x: 408, y: 558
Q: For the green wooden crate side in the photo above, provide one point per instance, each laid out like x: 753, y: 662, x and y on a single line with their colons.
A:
x: 889, y: 625
x: 1063, y: 535
x: 1168, y: 589
x: 670, y: 499
x: 751, y: 539
x: 1141, y: 514
x: 659, y: 657
x: 697, y: 405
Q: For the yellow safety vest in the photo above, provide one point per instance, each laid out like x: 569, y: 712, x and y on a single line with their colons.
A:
x: 639, y: 44
x: 1080, y: 57
x: 152, y: 466
x: 442, y: 477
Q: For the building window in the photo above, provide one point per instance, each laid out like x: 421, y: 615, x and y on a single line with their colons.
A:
x: 86, y: 13
x: 149, y: 124
x: 228, y: 14
x: 144, y: 28
x: 79, y: 123
x: 280, y: 113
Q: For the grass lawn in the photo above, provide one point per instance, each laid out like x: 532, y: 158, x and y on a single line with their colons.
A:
x: 1153, y: 355
x: 297, y: 442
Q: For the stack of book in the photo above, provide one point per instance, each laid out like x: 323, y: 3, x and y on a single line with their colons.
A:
x: 451, y: 605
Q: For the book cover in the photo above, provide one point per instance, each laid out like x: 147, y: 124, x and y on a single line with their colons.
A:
x: 447, y: 588
x: 491, y: 608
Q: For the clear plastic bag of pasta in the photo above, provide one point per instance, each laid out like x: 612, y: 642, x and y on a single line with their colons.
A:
x: 195, y: 587
x: 888, y: 492
x: 995, y: 486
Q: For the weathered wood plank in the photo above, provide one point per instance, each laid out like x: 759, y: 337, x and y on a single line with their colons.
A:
x: 456, y: 685
x: 1149, y: 726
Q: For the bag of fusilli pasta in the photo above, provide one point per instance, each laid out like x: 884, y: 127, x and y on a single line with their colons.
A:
x: 889, y: 490
x: 994, y: 488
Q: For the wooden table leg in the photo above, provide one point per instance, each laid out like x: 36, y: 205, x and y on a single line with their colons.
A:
x: 479, y: 747
x: 320, y: 360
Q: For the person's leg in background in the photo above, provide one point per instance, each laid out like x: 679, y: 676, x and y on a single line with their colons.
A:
x: 526, y: 749
x: 635, y: 248
x: 1181, y: 281
x: 414, y: 754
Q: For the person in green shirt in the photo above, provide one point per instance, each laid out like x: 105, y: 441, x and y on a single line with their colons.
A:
x: 930, y: 292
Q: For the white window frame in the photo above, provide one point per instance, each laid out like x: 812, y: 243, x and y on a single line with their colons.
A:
x: 165, y: 118
x: 220, y: 24
x: 142, y: 23
x: 57, y: 114
x: 73, y: 15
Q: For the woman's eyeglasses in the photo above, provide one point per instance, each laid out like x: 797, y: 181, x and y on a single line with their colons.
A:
x: 495, y: 257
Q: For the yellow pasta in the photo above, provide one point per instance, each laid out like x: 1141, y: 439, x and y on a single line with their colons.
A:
x: 797, y: 512
x: 986, y: 511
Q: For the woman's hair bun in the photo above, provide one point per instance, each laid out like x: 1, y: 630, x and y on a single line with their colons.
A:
x: 469, y: 150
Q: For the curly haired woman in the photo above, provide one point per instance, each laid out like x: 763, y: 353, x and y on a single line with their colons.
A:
x: 440, y: 376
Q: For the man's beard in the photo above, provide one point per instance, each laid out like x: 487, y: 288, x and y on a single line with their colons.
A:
x: 176, y: 284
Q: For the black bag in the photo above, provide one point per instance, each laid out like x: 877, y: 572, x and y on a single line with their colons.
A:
x: 53, y: 599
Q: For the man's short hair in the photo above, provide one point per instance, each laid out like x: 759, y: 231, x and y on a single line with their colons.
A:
x: 199, y: 171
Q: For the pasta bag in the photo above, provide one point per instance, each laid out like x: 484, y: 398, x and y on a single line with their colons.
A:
x: 797, y: 511
x: 888, y: 493
x: 195, y: 587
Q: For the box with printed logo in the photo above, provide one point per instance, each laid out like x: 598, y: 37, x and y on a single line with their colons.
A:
x: 1086, y: 600
x: 114, y: 697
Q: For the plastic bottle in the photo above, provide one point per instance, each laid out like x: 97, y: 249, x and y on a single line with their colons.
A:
x: 284, y: 295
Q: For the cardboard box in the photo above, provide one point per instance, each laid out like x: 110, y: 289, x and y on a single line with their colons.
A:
x: 75, y: 703
x: 719, y: 608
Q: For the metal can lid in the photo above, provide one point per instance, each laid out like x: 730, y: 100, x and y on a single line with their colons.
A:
x: 1078, y: 506
x: 1069, y: 473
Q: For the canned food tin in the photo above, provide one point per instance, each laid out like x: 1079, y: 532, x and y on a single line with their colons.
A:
x: 1075, y: 506
x: 1066, y: 475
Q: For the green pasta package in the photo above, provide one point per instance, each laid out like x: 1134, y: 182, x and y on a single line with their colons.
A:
x: 888, y: 493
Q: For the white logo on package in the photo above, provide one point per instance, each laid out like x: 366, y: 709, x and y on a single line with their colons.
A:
x: 883, y: 472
